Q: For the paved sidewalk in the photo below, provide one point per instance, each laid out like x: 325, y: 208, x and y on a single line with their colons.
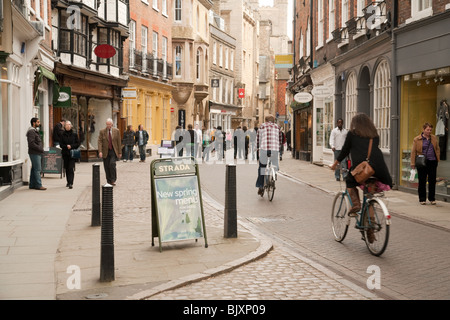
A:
x: 43, y: 234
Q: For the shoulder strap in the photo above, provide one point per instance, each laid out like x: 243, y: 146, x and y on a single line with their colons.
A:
x: 370, y: 149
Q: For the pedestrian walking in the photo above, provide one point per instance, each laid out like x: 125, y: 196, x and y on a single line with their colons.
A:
x: 283, y: 141
x: 198, y: 143
x: 268, y: 140
x: 219, y: 143
x: 206, y: 144
x: 69, y: 141
x: 238, y: 142
x: 129, y: 142
x: 141, y: 139
x: 337, y: 139
x: 356, y: 144
x: 58, y: 130
x: 190, y: 138
x: 288, y: 140
x: 252, y: 141
x: 426, y: 145
x: 109, y: 147
x: 35, y: 151
x: 246, y: 141
x: 179, y: 143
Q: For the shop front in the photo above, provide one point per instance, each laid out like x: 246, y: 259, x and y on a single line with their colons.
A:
x: 425, y: 97
x: 94, y: 99
x: 423, y: 71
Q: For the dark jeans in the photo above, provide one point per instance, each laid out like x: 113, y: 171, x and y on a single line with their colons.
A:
x: 142, y: 152
x: 264, y: 155
x: 128, y: 153
x: 69, y: 166
x: 427, y: 172
x: 109, y: 164
x: 35, y: 174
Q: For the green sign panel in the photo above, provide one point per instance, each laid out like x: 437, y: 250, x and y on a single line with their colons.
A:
x: 177, y: 208
x: 65, y: 97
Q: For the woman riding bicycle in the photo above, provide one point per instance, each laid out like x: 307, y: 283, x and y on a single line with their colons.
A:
x: 356, y: 144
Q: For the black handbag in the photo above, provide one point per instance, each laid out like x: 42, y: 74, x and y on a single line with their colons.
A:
x: 421, y: 160
x: 75, y: 153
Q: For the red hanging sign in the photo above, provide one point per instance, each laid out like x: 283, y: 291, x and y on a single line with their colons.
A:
x: 241, y: 93
x: 105, y: 51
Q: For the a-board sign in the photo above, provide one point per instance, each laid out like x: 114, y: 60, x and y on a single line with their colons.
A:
x: 52, y: 161
x: 177, y: 208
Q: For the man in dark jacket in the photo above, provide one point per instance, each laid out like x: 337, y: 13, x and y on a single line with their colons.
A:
x: 57, y: 132
x: 35, y: 151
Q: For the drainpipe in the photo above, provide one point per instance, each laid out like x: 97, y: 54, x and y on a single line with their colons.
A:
x: 395, y: 104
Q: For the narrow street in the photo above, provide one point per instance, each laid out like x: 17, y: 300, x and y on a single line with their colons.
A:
x: 414, y: 265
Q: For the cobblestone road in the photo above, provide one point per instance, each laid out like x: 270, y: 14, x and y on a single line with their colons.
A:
x: 278, y: 276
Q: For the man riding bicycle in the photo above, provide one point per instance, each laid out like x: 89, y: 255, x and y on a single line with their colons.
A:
x: 268, y: 142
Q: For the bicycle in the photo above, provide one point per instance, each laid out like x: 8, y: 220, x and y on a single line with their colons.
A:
x: 270, y: 176
x: 373, y: 220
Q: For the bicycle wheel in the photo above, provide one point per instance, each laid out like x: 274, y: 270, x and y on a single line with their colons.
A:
x: 339, y: 218
x: 376, y: 224
x: 271, y: 184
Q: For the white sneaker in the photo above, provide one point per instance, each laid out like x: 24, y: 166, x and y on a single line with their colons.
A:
x: 124, y: 160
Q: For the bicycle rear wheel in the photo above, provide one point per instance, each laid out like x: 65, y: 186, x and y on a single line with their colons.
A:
x: 271, y: 185
x: 376, y: 227
x: 339, y: 218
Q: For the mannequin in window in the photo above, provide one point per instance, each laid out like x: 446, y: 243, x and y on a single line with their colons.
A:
x: 442, y: 127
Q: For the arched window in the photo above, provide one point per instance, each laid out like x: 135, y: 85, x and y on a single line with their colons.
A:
x: 382, y: 103
x: 350, y: 99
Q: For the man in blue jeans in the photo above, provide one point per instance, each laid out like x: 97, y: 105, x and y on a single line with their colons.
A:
x: 35, y: 150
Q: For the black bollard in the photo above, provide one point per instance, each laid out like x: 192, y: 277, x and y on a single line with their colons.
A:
x: 230, y: 219
x: 95, y: 219
x: 107, y: 235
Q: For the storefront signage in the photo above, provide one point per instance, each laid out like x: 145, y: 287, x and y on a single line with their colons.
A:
x: 303, y: 97
x: 214, y: 83
x: 177, y: 209
x: 64, y: 98
x: 52, y: 161
x: 105, y: 51
x: 321, y: 92
x: 129, y: 93
x: 241, y: 93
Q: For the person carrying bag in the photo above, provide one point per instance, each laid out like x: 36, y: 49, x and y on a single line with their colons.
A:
x: 425, y: 157
x: 361, y: 144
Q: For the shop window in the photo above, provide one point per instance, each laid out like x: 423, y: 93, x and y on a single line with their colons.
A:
x: 382, y: 104
x: 424, y: 98
x: 350, y: 99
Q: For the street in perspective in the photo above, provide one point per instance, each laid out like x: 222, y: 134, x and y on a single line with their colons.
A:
x: 225, y: 158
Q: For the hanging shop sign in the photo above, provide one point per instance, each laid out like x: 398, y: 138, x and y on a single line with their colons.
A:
x: 321, y: 92
x: 303, y: 97
x: 105, y: 51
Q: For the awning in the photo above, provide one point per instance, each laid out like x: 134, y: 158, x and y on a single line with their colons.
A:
x: 40, y: 73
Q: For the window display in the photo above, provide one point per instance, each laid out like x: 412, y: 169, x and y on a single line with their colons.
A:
x: 425, y: 97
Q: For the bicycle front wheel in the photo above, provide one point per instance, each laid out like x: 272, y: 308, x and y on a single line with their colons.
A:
x: 376, y: 227
x: 339, y: 217
x: 271, y: 185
